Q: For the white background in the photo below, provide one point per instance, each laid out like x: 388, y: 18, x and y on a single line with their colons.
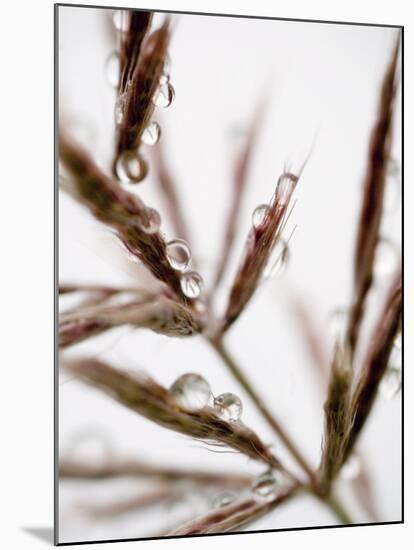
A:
x: 27, y: 237
x: 320, y: 83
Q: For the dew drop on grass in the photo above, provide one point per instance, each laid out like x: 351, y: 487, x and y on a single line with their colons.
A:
x: 392, y: 196
x: 152, y: 133
x: 151, y: 222
x: 191, y: 391
x: 284, y: 189
x: 391, y: 383
x: 259, y: 215
x: 278, y: 260
x: 119, y: 109
x: 131, y: 167
x: 131, y: 256
x: 264, y: 487
x: 164, y: 78
x: 395, y: 360
x: 224, y: 499
x: 228, y: 406
x: 112, y: 69
x: 164, y: 95
x: 178, y: 254
x: 398, y: 341
x: 191, y: 284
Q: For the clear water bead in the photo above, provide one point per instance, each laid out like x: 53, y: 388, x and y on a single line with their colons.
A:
x: 392, y: 196
x: 131, y: 256
x: 152, y: 133
x: 131, y: 167
x: 228, y: 406
x: 351, y: 469
x: 284, y: 189
x: 120, y: 19
x: 151, y: 222
x: 91, y: 447
x: 224, y: 499
x: 398, y: 341
x: 264, y: 487
x: 385, y: 258
x: 119, y: 109
x: 395, y: 360
x: 164, y: 95
x: 164, y: 78
x: 178, y: 254
x: 259, y: 215
x: 278, y: 260
x: 391, y: 383
x: 112, y: 69
x: 191, y: 391
x: 393, y: 168
x: 191, y: 284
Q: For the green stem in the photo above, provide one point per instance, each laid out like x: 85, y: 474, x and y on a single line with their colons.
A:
x: 220, y: 349
x: 330, y: 501
x: 336, y: 507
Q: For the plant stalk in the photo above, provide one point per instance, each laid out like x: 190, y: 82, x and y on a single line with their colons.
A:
x: 220, y: 349
x: 336, y: 507
x: 331, y: 501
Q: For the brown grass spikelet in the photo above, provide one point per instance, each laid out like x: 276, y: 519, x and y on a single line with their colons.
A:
x: 121, y: 210
x: 337, y: 417
x: 376, y: 361
x: 153, y: 401
x: 233, y: 516
x: 372, y: 199
x: 260, y: 243
x: 159, y: 314
x: 140, y: 81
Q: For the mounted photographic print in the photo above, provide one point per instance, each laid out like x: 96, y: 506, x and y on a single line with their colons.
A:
x: 228, y: 271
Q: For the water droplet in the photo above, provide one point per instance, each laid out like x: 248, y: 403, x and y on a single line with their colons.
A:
x: 278, y: 260
x: 90, y: 446
x: 112, y: 69
x: 151, y: 134
x: 385, y: 258
x: 150, y: 222
x: 178, y: 254
x: 224, y: 499
x: 392, y: 196
x: 120, y: 20
x: 259, y: 215
x: 164, y: 78
x: 191, y: 284
x: 131, y: 167
x: 284, y: 189
x: 191, y: 391
x: 164, y: 95
x: 119, y: 109
x: 351, y: 469
x: 337, y: 323
x: 391, y: 383
x: 398, y: 341
x: 395, y: 360
x: 264, y: 487
x: 393, y: 168
x: 228, y: 406
x: 167, y: 65
x: 131, y: 256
